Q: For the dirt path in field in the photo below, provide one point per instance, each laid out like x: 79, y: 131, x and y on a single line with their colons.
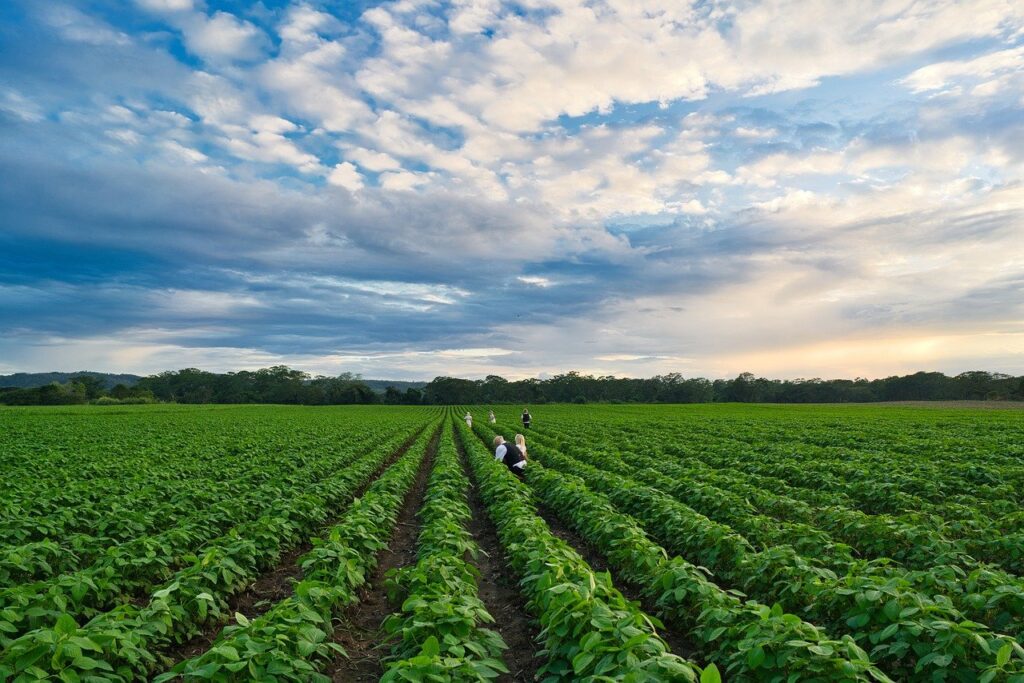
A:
x: 499, y: 592
x: 275, y: 584
x: 359, y: 630
x: 677, y: 641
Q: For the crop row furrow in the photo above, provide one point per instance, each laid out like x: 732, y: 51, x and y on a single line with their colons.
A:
x: 125, y: 570
x: 590, y: 631
x: 440, y: 628
x: 913, y: 636
x: 139, y: 522
x: 746, y: 639
x: 131, y: 636
x: 291, y: 641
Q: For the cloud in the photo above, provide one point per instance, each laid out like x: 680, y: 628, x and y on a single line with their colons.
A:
x: 476, y: 186
x: 223, y: 36
x: 981, y: 70
x: 373, y: 161
x: 166, y: 5
x: 13, y: 102
x: 310, y: 76
x: 79, y: 27
x: 346, y: 175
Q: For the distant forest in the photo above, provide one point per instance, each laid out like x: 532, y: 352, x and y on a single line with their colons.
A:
x: 280, y: 384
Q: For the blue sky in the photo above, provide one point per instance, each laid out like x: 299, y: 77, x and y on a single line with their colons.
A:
x: 413, y: 188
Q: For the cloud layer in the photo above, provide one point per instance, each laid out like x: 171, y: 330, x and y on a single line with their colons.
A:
x: 419, y: 187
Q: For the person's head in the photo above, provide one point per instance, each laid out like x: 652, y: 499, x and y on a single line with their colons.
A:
x: 498, y: 440
x: 520, y: 440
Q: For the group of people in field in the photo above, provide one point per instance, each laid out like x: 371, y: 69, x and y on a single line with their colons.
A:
x: 513, y: 455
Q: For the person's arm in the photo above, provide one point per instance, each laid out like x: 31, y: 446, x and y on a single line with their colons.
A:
x: 499, y: 452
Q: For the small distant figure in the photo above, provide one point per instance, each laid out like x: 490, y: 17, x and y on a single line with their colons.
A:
x: 521, y: 445
x: 469, y: 420
x: 509, y: 454
x: 491, y: 418
x: 526, y: 418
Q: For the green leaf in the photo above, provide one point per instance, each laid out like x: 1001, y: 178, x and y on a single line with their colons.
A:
x: 65, y: 624
x: 859, y: 620
x: 822, y: 650
x: 431, y: 648
x: 88, y: 663
x: 227, y: 652
x: 581, y: 661
x: 710, y: 674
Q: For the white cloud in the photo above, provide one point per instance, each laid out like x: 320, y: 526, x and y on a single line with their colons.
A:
x: 766, y: 170
x: 14, y: 102
x: 946, y: 156
x: 792, y: 199
x: 373, y: 161
x: 744, y: 221
x: 256, y: 142
x: 201, y: 303
x: 944, y: 74
x: 693, y: 207
x: 310, y: 75
x: 755, y: 133
x: 192, y: 156
x: 166, y: 5
x: 223, y: 36
x: 79, y: 27
x: 346, y: 175
x: 402, y: 181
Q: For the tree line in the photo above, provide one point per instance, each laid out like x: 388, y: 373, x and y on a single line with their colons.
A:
x: 281, y: 384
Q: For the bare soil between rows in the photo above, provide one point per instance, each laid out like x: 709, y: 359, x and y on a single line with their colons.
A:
x: 678, y: 642
x: 358, y: 629
x: 276, y: 583
x: 500, y: 593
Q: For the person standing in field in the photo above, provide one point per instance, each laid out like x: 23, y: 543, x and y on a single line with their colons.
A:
x: 491, y: 418
x: 526, y: 418
x: 509, y: 454
x: 469, y: 420
x: 521, y: 445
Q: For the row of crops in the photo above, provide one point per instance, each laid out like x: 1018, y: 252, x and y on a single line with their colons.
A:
x: 786, y: 511
x: 130, y: 535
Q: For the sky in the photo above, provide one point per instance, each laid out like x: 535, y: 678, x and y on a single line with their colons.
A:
x: 805, y: 188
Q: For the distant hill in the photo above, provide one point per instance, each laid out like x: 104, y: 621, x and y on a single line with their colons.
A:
x: 27, y: 380
x: 379, y: 385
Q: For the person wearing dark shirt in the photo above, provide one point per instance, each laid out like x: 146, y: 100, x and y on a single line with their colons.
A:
x: 509, y: 454
x: 526, y: 418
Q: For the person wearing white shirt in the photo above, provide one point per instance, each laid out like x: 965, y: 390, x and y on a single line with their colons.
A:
x: 469, y: 420
x: 509, y: 454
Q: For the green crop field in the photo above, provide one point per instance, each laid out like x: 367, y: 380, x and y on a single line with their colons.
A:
x: 645, y: 543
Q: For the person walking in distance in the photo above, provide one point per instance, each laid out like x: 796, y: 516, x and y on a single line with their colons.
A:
x: 526, y: 418
x: 469, y: 420
x: 509, y: 454
x: 491, y: 418
x: 521, y: 445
